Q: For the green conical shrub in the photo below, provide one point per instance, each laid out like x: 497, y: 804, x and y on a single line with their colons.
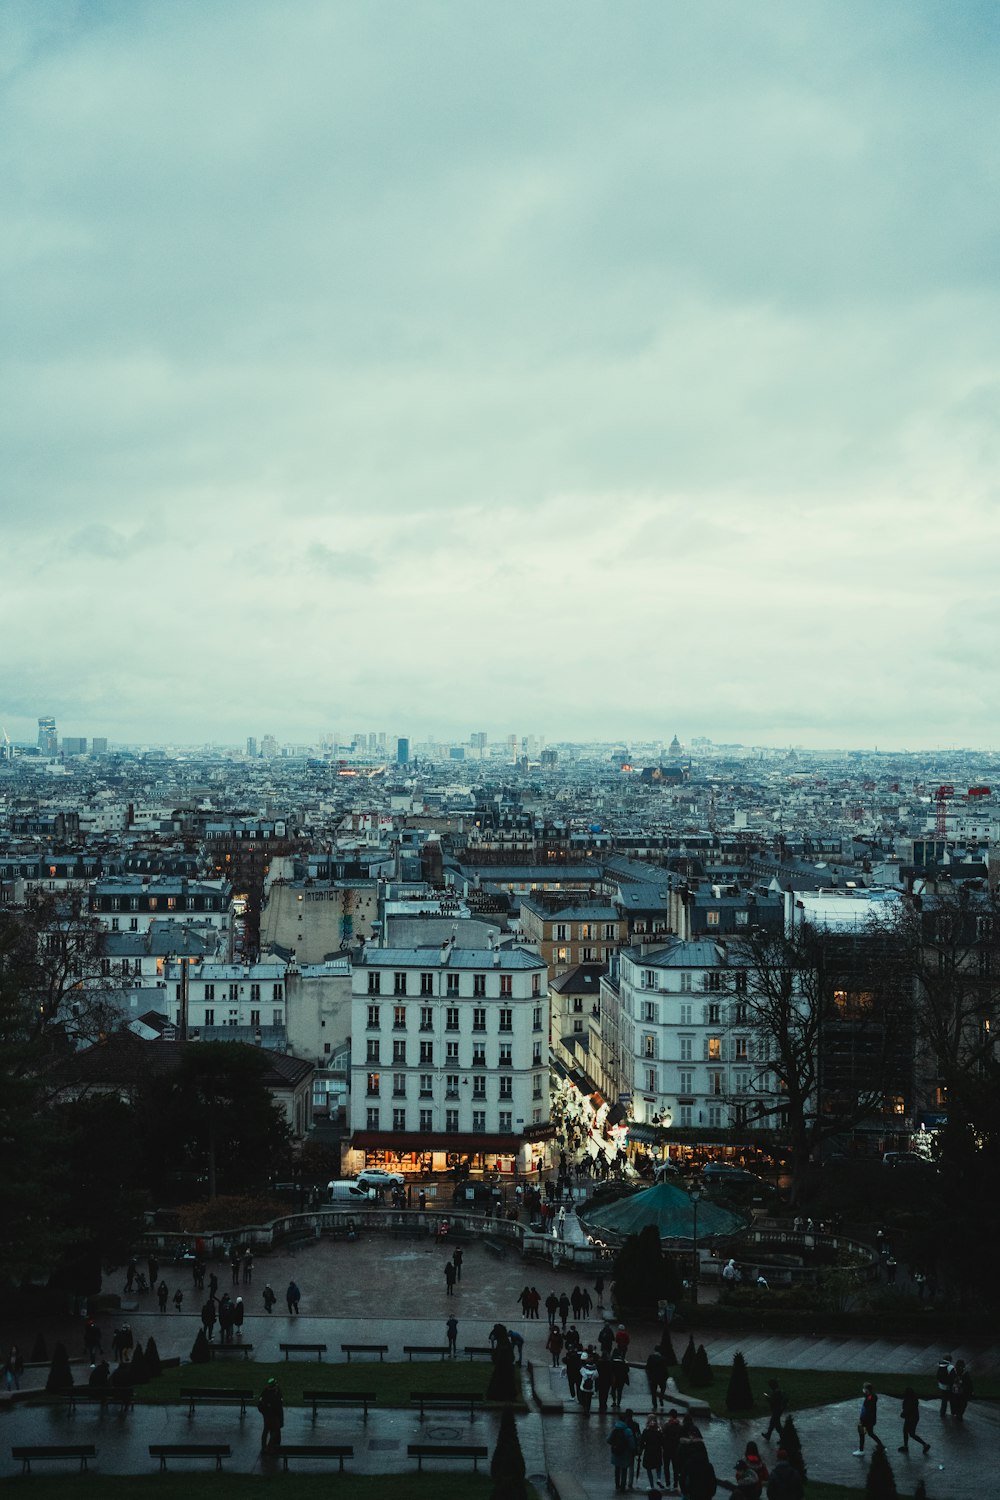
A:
x: 60, y: 1375
x: 789, y: 1440
x: 667, y: 1348
x: 739, y: 1396
x: 880, y: 1483
x: 153, y: 1365
x: 701, y: 1375
x: 200, y: 1353
x: 137, y: 1366
x: 688, y: 1358
x: 507, y: 1464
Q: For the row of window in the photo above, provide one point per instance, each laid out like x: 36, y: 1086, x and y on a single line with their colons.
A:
x: 713, y: 979
x: 233, y: 1018
x: 154, y: 903
x: 277, y: 992
x: 564, y: 954
x: 453, y: 983
x: 401, y: 1056
x: 425, y: 1120
x: 588, y: 930
x: 740, y: 1047
x: 426, y: 1091
x: 715, y: 1079
x: 738, y: 1013
x: 452, y: 1018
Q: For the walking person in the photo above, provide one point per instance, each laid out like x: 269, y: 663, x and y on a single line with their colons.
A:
x: 248, y: 1269
x: 456, y: 1259
x: 651, y: 1453
x: 162, y: 1294
x: 777, y: 1400
x: 13, y: 1369
x: 621, y: 1441
x: 910, y: 1414
x: 587, y: 1383
x: 451, y: 1329
x: 178, y: 1300
x: 450, y: 1275
x: 564, y: 1310
x: 573, y: 1364
x: 619, y: 1379
x: 552, y: 1307
x: 961, y: 1390
x: 292, y: 1297
x: 239, y: 1312
x: 867, y: 1417
x: 272, y: 1408
x: 270, y: 1297
x: 945, y: 1377
x: 554, y: 1344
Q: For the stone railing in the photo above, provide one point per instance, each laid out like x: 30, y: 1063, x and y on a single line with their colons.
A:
x: 339, y: 1222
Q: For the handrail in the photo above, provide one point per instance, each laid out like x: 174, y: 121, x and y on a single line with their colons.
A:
x: 326, y: 1220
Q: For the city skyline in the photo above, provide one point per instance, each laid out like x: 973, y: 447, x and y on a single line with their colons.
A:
x: 578, y: 367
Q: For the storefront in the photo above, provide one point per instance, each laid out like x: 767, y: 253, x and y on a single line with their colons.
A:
x: 418, y: 1156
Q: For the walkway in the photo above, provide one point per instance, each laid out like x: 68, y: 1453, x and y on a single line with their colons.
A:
x: 346, y: 1289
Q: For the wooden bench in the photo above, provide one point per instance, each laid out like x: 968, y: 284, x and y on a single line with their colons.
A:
x: 412, y: 1349
x: 495, y: 1248
x: 479, y: 1351
x: 339, y: 1398
x: 379, y: 1349
x: 318, y: 1349
x: 196, y: 1395
x: 163, y: 1451
x: 82, y: 1451
x: 245, y: 1349
x: 420, y: 1451
x: 315, y: 1450
x: 105, y: 1395
x: 446, y: 1401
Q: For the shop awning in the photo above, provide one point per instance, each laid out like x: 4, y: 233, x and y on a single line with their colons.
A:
x: 466, y: 1145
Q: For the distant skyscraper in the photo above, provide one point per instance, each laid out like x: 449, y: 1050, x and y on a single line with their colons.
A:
x: 48, y: 739
x: 402, y: 752
x: 252, y: 746
x: 269, y: 747
x: 73, y: 745
x: 99, y: 745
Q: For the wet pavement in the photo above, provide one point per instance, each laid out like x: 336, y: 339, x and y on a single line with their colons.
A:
x: 381, y: 1290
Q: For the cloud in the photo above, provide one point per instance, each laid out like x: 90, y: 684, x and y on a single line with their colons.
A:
x: 663, y: 333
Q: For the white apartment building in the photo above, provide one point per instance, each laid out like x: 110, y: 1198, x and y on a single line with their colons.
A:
x: 230, y: 1002
x: 696, y: 1061
x: 449, y: 1056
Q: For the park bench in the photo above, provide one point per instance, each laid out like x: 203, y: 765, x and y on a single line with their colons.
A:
x: 379, y: 1349
x: 245, y: 1349
x: 102, y: 1396
x: 479, y: 1351
x: 318, y: 1349
x: 420, y: 1451
x: 339, y: 1398
x: 412, y: 1349
x: 163, y: 1451
x: 446, y: 1401
x: 495, y: 1247
x: 315, y: 1450
x: 196, y: 1395
x: 82, y: 1451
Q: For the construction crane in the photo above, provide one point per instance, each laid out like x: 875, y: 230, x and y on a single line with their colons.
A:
x: 942, y: 797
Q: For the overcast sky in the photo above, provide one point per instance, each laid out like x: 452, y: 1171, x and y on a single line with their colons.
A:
x: 595, y: 370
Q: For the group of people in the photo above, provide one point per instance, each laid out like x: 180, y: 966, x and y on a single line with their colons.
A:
x: 954, y: 1384
x: 229, y: 1315
x: 672, y: 1451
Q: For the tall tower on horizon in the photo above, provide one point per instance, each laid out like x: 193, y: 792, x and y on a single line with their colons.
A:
x: 48, y: 739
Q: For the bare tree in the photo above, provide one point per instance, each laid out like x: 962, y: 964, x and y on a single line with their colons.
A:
x: 52, y: 953
x: 829, y: 1014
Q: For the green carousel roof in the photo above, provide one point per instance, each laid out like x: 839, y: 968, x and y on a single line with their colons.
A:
x: 670, y: 1209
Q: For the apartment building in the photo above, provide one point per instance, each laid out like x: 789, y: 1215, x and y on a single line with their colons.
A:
x: 449, y: 1057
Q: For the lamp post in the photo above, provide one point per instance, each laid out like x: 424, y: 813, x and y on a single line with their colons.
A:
x: 695, y: 1196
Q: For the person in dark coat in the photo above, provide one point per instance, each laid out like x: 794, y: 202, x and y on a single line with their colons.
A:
x: 699, y: 1481
x: 572, y: 1364
x: 656, y: 1375
x: 564, y: 1310
x: 651, y: 1453
x: 208, y: 1316
x: 911, y: 1416
x: 785, y: 1482
x: 270, y: 1297
x: 603, y: 1382
x: 619, y: 1380
x: 292, y: 1296
x: 272, y: 1408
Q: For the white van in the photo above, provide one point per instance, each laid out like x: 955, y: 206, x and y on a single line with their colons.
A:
x: 336, y: 1191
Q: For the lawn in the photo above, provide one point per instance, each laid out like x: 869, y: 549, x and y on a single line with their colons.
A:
x: 808, y: 1388
x: 212, y: 1486
x: 391, y: 1382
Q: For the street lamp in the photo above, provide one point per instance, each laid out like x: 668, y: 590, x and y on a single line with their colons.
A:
x: 695, y: 1196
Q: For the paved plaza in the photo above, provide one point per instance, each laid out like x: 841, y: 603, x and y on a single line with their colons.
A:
x: 378, y: 1289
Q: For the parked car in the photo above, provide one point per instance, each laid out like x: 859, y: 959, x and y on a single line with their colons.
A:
x: 378, y: 1177
x: 721, y: 1174
x: 337, y: 1191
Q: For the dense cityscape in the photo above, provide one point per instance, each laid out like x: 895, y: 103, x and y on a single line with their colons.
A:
x: 499, y: 770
